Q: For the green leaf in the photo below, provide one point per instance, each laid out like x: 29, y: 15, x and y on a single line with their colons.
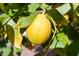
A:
x: 58, y: 18
x: 76, y: 19
x: 75, y: 5
x: 73, y: 49
x: 14, y: 35
x: 6, y: 51
x: 44, y: 6
x: 33, y: 7
x: 60, y: 41
x: 13, y: 6
x: 10, y: 12
x: 77, y: 11
x: 2, y: 7
x: 63, y: 9
x: 17, y: 50
x: 60, y: 51
x: 10, y: 33
x: 4, y: 18
x: 25, y: 21
x: 11, y: 23
x: 1, y: 27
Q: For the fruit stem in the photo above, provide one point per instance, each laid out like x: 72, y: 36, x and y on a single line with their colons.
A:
x: 56, y: 31
x: 43, y: 7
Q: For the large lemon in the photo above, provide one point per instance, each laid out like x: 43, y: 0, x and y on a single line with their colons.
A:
x: 39, y: 31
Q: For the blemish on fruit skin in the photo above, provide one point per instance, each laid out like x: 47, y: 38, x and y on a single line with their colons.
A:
x: 39, y: 31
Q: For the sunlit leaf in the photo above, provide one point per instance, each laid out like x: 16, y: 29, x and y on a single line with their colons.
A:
x: 10, y: 12
x: 11, y: 23
x: 4, y: 18
x: 60, y: 41
x: 6, y: 51
x: 25, y: 21
x: 63, y: 9
x: 75, y: 5
x: 33, y: 7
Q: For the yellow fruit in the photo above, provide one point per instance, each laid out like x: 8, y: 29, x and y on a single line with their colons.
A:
x: 66, y: 17
x: 39, y: 31
x: 66, y: 20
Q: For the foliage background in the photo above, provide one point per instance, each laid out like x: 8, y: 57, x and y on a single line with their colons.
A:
x: 15, y: 19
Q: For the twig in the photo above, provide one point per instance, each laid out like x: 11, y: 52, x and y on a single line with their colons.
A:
x: 56, y: 30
